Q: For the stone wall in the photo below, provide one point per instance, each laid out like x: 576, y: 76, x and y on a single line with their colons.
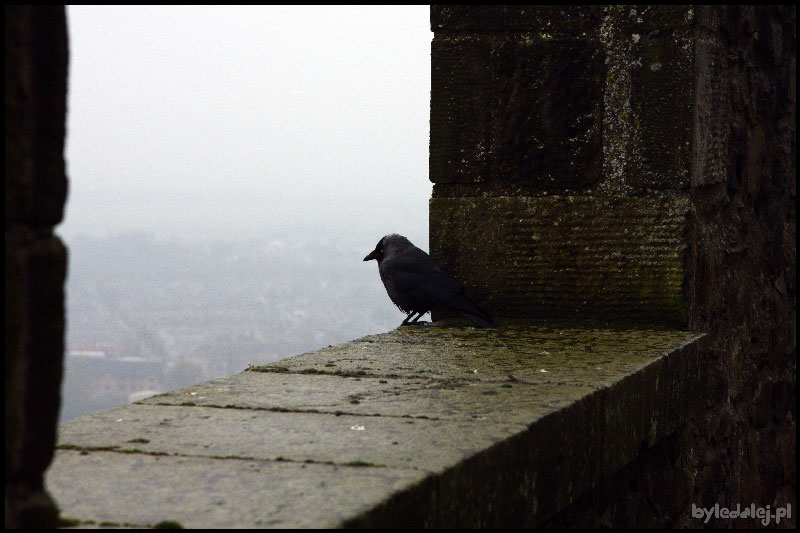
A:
x: 35, y: 259
x: 563, y: 136
x: 561, y: 157
x: 744, y: 237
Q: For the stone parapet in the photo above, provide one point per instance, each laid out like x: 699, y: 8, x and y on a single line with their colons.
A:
x: 426, y: 426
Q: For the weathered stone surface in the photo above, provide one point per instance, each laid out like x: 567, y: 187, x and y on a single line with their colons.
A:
x: 662, y: 102
x: 743, y: 241
x: 576, y: 99
x: 605, y: 257
x: 559, y: 20
x: 444, y: 351
x: 517, y: 110
x: 294, y: 435
x: 712, y: 129
x: 461, y: 95
x: 455, y: 398
x: 436, y: 426
x: 548, y: 120
x: 35, y: 260
x: 210, y: 493
x: 660, y: 17
x: 649, y: 97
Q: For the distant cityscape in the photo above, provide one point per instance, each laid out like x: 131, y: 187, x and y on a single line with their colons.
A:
x: 147, y: 316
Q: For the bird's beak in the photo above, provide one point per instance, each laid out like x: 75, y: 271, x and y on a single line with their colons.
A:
x: 372, y: 255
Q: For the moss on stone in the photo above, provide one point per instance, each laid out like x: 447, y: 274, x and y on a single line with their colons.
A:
x: 168, y: 524
x: 613, y: 258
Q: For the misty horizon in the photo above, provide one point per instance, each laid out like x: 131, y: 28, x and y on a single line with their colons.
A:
x: 236, y: 121
x: 229, y: 168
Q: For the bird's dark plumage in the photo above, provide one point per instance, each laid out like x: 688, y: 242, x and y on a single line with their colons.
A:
x: 416, y: 284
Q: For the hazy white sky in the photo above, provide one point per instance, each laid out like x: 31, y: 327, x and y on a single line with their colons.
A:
x: 233, y: 122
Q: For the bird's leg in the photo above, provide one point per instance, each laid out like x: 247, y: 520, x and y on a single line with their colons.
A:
x: 405, y: 322
x: 418, y: 317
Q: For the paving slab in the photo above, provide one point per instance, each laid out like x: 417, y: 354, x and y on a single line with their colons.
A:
x: 138, y: 490
x: 510, y: 401
x: 564, y: 352
x: 310, y: 438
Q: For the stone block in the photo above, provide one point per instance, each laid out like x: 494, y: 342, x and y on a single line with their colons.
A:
x: 516, y: 111
x: 460, y: 110
x: 662, y: 103
x: 549, y: 113
x: 615, y: 258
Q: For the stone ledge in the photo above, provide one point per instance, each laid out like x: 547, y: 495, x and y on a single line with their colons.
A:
x: 435, y: 426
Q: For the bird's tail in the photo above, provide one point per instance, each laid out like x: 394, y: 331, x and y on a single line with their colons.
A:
x: 466, y: 308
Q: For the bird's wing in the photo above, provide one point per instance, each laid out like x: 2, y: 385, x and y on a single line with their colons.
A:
x: 420, y: 276
x: 416, y: 275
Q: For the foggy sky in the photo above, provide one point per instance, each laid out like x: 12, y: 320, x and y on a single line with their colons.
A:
x: 239, y: 122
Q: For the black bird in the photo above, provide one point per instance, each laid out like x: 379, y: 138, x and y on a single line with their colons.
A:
x: 416, y: 284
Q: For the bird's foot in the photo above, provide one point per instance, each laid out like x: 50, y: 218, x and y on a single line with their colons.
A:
x: 415, y: 323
